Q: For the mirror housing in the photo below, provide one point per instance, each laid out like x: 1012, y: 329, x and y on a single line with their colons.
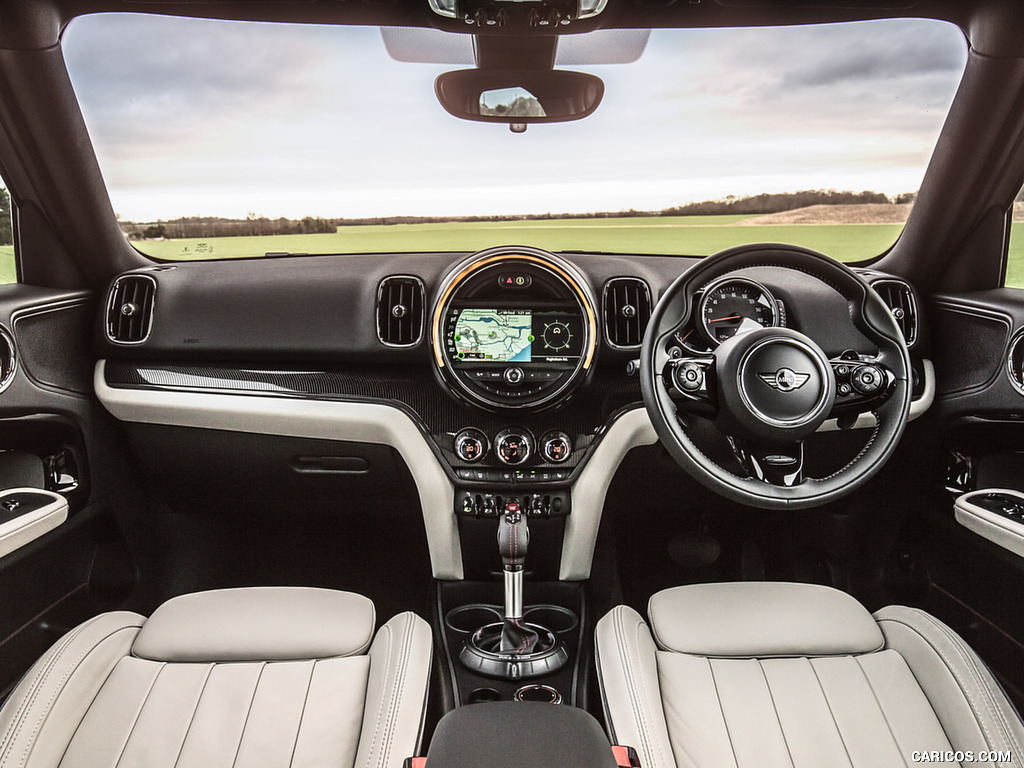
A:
x: 519, y: 96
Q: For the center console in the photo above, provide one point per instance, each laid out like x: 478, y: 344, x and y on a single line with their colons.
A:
x: 528, y: 646
x: 513, y: 334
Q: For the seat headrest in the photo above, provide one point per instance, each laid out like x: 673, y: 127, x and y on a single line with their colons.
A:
x: 761, y: 620
x: 257, y: 624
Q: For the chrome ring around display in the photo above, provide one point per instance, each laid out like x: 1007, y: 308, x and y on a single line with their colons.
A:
x: 537, y: 259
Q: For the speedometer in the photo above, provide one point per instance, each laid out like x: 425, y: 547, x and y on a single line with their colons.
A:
x: 735, y: 305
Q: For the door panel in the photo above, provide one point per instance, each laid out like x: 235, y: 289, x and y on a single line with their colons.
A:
x: 978, y: 421
x: 54, y: 434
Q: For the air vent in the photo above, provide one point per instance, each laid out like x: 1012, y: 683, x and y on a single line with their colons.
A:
x: 400, y: 311
x: 130, y: 309
x: 8, y: 359
x: 627, y: 308
x: 899, y: 297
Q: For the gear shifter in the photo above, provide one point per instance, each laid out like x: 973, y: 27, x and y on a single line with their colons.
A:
x: 513, y: 648
x: 513, y: 543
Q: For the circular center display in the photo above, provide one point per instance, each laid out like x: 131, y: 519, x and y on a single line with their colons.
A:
x: 514, y: 328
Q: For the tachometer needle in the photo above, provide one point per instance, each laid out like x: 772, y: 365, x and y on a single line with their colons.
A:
x: 730, y: 317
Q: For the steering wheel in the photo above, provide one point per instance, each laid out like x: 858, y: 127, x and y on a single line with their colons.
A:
x: 769, y: 389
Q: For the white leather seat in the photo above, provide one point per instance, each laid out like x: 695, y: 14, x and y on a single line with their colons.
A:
x: 237, y: 677
x: 794, y: 675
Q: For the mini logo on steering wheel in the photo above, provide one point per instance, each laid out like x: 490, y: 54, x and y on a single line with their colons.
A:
x: 784, y: 379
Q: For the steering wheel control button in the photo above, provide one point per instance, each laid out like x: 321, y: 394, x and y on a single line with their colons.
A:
x: 867, y: 380
x: 513, y: 375
x: 556, y: 447
x: 689, y: 377
x: 470, y: 445
x: 513, y: 446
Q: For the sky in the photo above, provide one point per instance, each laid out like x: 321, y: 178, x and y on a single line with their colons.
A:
x: 196, y: 117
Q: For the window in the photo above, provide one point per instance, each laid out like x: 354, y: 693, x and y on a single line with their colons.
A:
x: 229, y: 139
x: 8, y: 268
x: 1015, y: 253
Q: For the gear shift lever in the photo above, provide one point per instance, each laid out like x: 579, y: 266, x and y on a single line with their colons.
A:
x: 512, y: 648
x: 513, y: 543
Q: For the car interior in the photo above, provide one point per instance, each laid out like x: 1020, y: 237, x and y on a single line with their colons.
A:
x: 525, y: 502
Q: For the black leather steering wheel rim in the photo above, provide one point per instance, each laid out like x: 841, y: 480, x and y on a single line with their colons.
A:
x: 868, y: 313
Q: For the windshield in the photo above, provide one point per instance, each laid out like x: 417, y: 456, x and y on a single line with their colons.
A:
x: 228, y: 139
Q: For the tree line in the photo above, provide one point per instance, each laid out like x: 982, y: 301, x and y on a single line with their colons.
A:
x: 6, y: 225
x: 211, y: 226
x: 788, y: 201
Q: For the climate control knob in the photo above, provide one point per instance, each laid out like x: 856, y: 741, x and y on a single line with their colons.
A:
x: 513, y: 446
x: 555, y: 447
x: 470, y: 445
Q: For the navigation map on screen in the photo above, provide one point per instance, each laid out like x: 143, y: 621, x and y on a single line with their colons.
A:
x: 498, y: 335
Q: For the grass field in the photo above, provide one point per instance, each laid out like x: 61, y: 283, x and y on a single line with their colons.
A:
x: 692, y: 235
x: 8, y: 274
x: 662, y: 235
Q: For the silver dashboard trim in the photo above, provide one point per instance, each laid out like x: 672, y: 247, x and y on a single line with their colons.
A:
x: 358, y: 422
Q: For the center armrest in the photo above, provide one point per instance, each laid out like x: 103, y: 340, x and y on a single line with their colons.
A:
x: 508, y: 734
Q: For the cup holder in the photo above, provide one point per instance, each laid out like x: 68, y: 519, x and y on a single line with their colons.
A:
x: 479, y: 695
x: 553, y: 617
x: 542, y: 693
x: 469, y: 618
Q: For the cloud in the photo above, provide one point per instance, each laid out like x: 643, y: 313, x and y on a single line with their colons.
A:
x: 192, y: 116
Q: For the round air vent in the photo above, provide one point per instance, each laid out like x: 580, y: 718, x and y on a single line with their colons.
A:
x: 1015, y: 361
x: 8, y: 359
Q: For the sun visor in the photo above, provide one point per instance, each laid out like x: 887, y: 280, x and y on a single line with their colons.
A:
x: 433, y: 46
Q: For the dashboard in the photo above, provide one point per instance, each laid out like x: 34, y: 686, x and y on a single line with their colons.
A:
x: 503, y: 375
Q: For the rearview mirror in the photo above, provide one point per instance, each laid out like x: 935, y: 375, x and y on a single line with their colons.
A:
x: 519, y: 96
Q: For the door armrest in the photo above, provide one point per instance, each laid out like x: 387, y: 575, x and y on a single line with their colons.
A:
x: 996, y: 514
x: 26, y: 514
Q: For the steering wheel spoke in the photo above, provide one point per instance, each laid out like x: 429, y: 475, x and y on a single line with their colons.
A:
x: 780, y: 464
x: 690, y: 384
x: 862, y: 383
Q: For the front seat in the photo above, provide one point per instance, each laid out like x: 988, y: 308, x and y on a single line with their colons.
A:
x: 262, y: 676
x: 795, y: 675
